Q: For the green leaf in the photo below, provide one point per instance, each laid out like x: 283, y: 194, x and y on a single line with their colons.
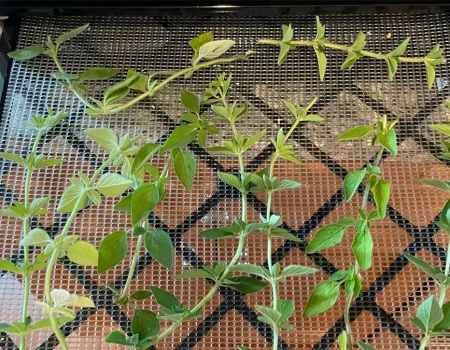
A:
x: 141, y: 83
x: 202, y: 39
x: 364, y: 346
x: 297, y: 270
x: 145, y: 153
x: 431, y: 74
x: 218, y: 233
x: 280, y: 232
x: 27, y: 52
x: 362, y: 247
x: 342, y: 341
x: 36, y: 237
x: 190, y: 101
x: 253, y: 270
x: 381, y: 192
x: 112, y: 250
x: 6, y: 265
x: 327, y: 236
x: 104, y: 137
x: 320, y: 29
x: 144, y: 200
x: 13, y: 158
x: 98, y: 73
x: 145, y: 323
x: 159, y: 246
x: 443, y: 128
x: 46, y: 323
x: 6, y: 327
x: 252, y: 140
x: 124, y: 205
x: 201, y: 138
x: 430, y: 313
x: 400, y: 50
x: 352, y: 182
x: 41, y: 162
x: 284, y: 50
x: 358, y: 132
x: 445, y: 322
x: 421, y: 264
x: 288, y: 33
x: 287, y: 184
x: 83, y: 253
x: 185, y: 166
x: 116, y: 337
x: 322, y: 298
x: 240, y: 347
x: 164, y: 298
x: 71, y: 196
x: 71, y: 34
x: 388, y: 141
x: 445, y: 214
x: 435, y: 183
x: 392, y: 63
x: 112, y: 185
x: 118, y: 91
x: 180, y: 136
x: 322, y: 62
x: 285, y: 308
x: 247, y: 285
x: 140, y: 294
x: 271, y: 316
x: 194, y: 273
x: 213, y: 49
x: 229, y: 179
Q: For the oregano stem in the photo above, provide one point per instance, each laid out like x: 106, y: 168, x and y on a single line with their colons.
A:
x: 446, y: 272
x: 273, y: 283
x: 349, y: 298
x: 26, y: 228
x: 74, y: 90
x: 137, y: 250
x: 56, y: 252
x: 343, y: 48
x: 227, y: 270
x: 155, y: 89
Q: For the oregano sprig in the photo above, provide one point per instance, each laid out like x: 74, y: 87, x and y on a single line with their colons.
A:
x: 280, y: 311
x: 355, y: 52
x: 220, y: 273
x: 25, y: 211
x: 207, y: 52
x: 326, y: 293
x: 433, y: 315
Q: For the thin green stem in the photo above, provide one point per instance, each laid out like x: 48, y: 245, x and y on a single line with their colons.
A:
x: 349, y: 298
x: 273, y: 283
x: 343, y: 48
x: 173, y: 77
x: 26, y: 228
x: 124, y: 293
x: 56, y: 251
x: 74, y: 90
x: 423, y: 344
x: 447, y: 270
x: 228, y: 269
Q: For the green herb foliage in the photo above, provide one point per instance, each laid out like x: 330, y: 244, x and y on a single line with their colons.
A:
x: 355, y: 52
x: 326, y: 293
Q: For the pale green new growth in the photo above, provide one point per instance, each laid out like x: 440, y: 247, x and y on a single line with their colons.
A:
x: 355, y: 52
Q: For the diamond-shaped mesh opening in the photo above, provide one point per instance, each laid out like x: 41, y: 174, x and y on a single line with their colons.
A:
x: 393, y: 289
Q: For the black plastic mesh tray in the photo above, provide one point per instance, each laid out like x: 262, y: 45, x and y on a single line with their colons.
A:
x: 392, y: 288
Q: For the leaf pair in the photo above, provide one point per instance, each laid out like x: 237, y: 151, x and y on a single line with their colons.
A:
x: 384, y: 135
x: 354, y: 52
x: 60, y: 302
x: 206, y: 48
x: 144, y: 326
x: 277, y: 317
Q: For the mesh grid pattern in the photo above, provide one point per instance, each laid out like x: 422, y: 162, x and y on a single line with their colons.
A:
x: 393, y: 288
